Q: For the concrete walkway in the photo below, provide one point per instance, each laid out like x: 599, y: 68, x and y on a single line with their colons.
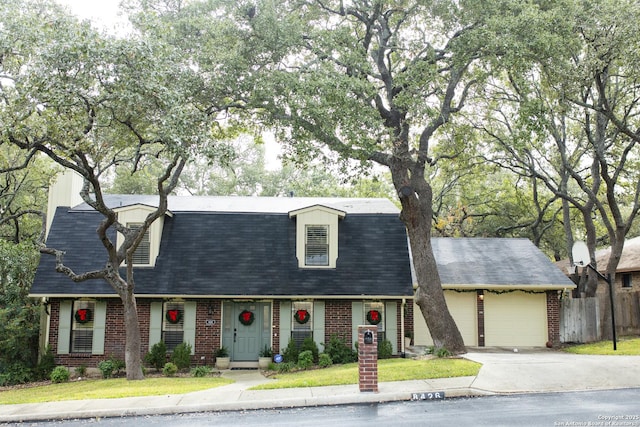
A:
x: 502, y: 372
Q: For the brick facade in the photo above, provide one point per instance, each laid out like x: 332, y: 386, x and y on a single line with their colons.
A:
x: 338, y: 320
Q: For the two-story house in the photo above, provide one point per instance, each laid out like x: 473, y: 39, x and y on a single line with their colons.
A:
x: 239, y: 272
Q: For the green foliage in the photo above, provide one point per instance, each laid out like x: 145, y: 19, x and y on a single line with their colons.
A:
x: 60, y: 375
x: 170, y: 369
x: 181, y: 356
x: 339, y: 351
x: 222, y: 352
x: 324, y: 360
x: 286, y: 366
x: 266, y: 352
x: 15, y: 374
x: 290, y: 353
x: 385, y: 349
x: 157, y: 356
x: 438, y: 351
x: 46, y: 364
x: 110, y: 367
x: 201, y: 371
x: 19, y: 315
x: 305, y: 359
x: 81, y: 371
x: 308, y: 344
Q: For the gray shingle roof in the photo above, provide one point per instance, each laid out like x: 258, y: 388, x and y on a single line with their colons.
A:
x: 486, y: 263
x: 208, y: 249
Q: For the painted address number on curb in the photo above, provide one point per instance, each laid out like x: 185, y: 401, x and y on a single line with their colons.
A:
x: 428, y: 395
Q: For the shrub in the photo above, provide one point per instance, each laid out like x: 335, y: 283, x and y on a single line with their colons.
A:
x: 15, y: 373
x: 324, y: 360
x: 170, y: 369
x: 45, y: 365
x: 201, y: 371
x: 110, y: 367
x: 285, y: 367
x: 157, y: 356
x: 290, y: 353
x: 310, y: 345
x: 339, y: 351
x: 385, y: 349
x: 442, y: 352
x: 81, y: 371
x: 305, y: 359
x: 60, y: 375
x: 181, y: 356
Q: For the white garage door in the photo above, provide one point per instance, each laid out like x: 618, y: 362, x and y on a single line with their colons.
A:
x: 515, y: 319
x: 462, y: 306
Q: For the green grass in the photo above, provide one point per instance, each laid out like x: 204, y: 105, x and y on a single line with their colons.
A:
x: 388, y: 370
x: 109, y: 389
x: 625, y: 347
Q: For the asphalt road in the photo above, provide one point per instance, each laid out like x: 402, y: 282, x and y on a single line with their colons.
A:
x: 589, y: 408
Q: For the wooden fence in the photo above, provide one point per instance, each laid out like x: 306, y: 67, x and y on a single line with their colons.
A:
x: 585, y: 320
x: 579, y: 320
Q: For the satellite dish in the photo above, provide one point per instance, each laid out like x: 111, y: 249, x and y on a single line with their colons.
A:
x: 580, y: 253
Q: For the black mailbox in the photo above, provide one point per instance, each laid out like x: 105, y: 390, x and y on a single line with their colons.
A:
x: 368, y: 337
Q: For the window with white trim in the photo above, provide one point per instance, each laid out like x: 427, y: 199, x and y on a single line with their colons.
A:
x: 82, y: 326
x: 142, y: 255
x: 301, y: 321
x: 316, y: 251
x: 173, y: 324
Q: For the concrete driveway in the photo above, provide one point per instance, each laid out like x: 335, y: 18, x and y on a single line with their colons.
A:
x: 541, y: 370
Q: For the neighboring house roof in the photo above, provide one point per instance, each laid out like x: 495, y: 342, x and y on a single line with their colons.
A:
x: 239, y: 247
x: 495, y: 263
x: 629, y: 261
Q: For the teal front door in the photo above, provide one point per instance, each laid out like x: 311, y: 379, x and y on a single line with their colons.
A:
x: 246, y: 329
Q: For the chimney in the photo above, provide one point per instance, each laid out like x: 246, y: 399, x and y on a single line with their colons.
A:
x: 63, y: 191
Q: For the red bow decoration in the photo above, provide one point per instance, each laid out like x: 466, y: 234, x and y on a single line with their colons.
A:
x: 302, y: 316
x: 173, y: 316
x: 374, y: 317
x: 82, y: 315
x: 246, y: 317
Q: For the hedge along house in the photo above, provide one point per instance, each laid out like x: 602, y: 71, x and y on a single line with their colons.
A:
x: 500, y: 292
x: 240, y: 272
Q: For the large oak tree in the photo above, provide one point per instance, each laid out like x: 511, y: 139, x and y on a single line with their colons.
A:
x: 92, y: 102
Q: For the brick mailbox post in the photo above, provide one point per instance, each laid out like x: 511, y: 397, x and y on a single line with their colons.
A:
x: 368, y: 358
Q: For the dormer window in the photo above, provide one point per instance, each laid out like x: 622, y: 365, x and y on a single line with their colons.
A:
x: 142, y: 255
x: 133, y: 216
x: 317, y: 236
x: 316, y: 251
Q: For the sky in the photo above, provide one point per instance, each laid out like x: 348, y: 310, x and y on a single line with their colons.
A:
x: 102, y: 12
x: 105, y: 14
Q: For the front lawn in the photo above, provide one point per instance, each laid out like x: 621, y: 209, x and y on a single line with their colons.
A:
x: 388, y: 370
x: 109, y: 389
x: 626, y: 346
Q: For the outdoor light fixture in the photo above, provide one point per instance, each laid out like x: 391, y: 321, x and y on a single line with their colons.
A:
x: 210, y: 309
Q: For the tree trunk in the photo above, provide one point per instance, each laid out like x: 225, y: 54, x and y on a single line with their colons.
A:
x: 132, y: 357
x: 416, y: 215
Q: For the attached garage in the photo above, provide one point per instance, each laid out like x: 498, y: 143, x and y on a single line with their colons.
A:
x: 515, y: 319
x: 500, y: 292
x: 462, y: 306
